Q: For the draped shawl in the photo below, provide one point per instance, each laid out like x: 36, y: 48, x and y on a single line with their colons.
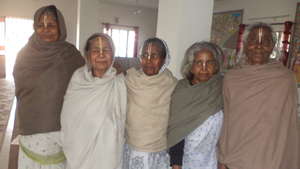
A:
x: 191, y: 105
x: 42, y: 72
x: 93, y: 120
x: 260, y: 118
x: 148, y: 109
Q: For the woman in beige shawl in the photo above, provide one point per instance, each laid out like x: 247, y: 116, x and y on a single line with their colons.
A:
x: 260, y: 109
x: 42, y: 72
x: 149, y: 94
x: 94, y: 109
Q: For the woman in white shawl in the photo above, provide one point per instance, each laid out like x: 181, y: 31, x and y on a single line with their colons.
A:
x: 93, y: 114
x: 149, y: 94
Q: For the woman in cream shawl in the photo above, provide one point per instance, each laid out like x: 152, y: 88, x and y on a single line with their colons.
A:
x: 196, y: 109
x: 42, y: 72
x: 149, y: 95
x: 93, y: 114
x: 260, y: 109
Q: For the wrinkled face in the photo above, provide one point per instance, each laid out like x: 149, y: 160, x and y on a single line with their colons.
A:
x: 100, y: 55
x: 259, y: 46
x: 151, y: 59
x: 204, y: 66
x: 47, y: 28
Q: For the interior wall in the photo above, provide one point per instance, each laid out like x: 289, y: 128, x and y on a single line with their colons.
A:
x: 182, y: 23
x: 268, y: 11
x: 93, y: 13
x: 27, y: 8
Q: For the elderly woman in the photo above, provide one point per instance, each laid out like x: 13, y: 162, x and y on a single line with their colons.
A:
x: 260, y: 109
x: 42, y: 72
x: 93, y: 114
x: 196, y: 109
x: 149, y: 94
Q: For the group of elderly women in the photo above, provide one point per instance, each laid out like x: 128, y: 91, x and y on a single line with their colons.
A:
x: 87, y: 116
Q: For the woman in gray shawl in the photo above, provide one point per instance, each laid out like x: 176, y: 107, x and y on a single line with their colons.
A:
x: 196, y: 109
x: 42, y: 72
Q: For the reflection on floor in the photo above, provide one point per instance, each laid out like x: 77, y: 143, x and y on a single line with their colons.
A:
x: 6, y: 99
x: 8, y: 118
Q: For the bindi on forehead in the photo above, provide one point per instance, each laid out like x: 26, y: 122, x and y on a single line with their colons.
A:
x: 153, y: 48
x: 150, y: 46
x: 46, y: 19
x: 100, y: 43
x: 260, y: 35
x: 261, y: 31
x: 99, y: 40
x: 205, y: 54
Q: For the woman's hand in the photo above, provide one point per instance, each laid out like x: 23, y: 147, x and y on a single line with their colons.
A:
x: 221, y: 166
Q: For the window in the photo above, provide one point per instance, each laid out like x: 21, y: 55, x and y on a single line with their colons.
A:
x: 279, y: 44
x: 124, y: 38
x: 2, y: 35
x: 12, y: 39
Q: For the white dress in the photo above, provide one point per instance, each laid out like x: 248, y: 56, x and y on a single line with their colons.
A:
x: 144, y: 160
x: 93, y: 120
x: 200, y: 147
x: 42, y: 145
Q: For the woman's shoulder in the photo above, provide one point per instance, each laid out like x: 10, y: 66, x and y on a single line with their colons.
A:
x: 182, y: 81
x: 120, y: 77
x: 181, y: 84
x: 71, y: 49
x: 131, y: 71
x: 69, y: 45
x: 78, y: 73
x: 73, y: 55
x: 170, y: 75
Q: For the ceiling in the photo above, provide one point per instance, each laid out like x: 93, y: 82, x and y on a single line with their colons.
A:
x: 153, y: 4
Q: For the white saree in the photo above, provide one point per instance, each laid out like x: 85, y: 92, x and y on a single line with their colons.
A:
x: 93, y: 120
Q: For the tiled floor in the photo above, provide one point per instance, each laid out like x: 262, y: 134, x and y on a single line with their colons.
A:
x: 7, y: 147
x: 6, y: 100
x: 7, y: 114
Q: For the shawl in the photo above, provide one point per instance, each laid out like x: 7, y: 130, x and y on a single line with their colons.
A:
x: 260, y: 118
x: 42, y: 72
x: 191, y: 105
x: 148, y: 109
x: 93, y: 120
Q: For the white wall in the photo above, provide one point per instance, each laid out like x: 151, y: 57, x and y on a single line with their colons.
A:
x: 260, y: 8
x: 27, y: 8
x: 93, y: 13
x: 182, y: 23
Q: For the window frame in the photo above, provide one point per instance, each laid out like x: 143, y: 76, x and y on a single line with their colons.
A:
x: 107, y: 27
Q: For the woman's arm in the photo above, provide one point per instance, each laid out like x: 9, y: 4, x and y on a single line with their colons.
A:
x: 176, y: 155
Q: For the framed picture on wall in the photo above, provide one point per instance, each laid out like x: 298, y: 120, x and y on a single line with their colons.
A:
x: 225, y: 27
x: 295, y: 46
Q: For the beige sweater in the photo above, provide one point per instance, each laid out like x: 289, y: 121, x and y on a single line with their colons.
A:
x: 148, y: 109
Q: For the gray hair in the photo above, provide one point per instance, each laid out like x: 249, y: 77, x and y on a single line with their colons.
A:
x: 197, y: 47
x: 241, y: 57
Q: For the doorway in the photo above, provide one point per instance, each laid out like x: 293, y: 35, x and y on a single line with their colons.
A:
x: 17, y: 32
